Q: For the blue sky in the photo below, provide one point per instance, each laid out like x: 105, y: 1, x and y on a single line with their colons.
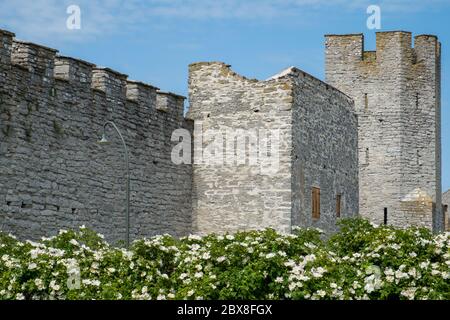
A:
x: 155, y: 40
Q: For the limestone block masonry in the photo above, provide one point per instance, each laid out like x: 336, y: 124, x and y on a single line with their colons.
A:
x: 318, y: 148
x: 396, y: 90
x: 54, y: 175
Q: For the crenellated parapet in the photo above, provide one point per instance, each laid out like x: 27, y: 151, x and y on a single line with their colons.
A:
x: 44, y: 66
x: 394, y: 53
x: 38, y: 60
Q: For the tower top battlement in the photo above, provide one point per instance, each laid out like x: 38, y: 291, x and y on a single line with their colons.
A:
x: 390, y: 46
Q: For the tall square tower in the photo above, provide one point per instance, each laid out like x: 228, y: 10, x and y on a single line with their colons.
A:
x: 396, y: 90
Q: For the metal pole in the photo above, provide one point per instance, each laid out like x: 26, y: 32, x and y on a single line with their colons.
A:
x: 385, y: 216
x: 127, y: 217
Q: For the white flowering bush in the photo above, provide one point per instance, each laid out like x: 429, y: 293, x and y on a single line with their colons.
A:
x: 360, y: 262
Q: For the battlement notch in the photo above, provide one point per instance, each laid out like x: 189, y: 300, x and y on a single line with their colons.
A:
x: 394, y: 52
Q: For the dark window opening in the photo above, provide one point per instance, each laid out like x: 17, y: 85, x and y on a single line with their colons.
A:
x: 338, y: 206
x: 315, y: 203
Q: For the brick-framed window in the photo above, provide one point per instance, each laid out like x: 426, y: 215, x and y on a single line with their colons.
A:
x: 315, y: 203
x: 338, y: 205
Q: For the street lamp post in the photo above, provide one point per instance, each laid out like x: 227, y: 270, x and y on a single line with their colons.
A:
x: 104, y: 140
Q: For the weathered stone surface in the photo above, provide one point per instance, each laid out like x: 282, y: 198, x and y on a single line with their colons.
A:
x: 318, y: 148
x: 397, y: 97
x: 325, y: 137
x: 54, y: 175
x: 446, y: 197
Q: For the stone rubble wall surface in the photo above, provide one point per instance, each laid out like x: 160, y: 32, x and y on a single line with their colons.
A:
x: 54, y: 174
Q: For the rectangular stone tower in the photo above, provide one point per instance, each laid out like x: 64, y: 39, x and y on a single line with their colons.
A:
x: 396, y: 90
x: 315, y: 180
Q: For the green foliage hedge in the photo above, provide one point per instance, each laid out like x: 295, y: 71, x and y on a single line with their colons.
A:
x: 360, y: 262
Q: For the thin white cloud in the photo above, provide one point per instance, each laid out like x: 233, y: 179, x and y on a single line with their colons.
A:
x: 46, y: 19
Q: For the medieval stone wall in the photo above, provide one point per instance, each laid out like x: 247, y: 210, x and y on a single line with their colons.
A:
x: 54, y: 175
x: 260, y: 147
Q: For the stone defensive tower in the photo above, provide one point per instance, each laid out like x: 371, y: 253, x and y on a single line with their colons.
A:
x: 396, y: 90
x: 316, y: 180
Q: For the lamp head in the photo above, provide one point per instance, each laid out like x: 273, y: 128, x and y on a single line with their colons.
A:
x: 103, y: 140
